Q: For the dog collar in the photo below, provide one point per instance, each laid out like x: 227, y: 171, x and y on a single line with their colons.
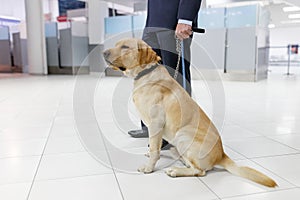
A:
x: 146, y: 71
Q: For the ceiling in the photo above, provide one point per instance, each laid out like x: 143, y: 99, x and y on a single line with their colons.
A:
x: 280, y: 18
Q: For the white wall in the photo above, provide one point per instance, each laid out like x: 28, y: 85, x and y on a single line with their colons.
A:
x: 16, y: 8
x: 284, y: 36
x: 97, y: 12
x: 13, y: 8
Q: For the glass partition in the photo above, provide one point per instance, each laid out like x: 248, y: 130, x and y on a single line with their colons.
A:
x: 4, y: 33
x: 212, y: 18
x: 51, y: 29
x: 139, y: 22
x: 242, y: 16
x: 118, y: 24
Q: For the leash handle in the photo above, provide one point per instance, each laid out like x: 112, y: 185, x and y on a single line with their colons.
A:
x: 198, y: 30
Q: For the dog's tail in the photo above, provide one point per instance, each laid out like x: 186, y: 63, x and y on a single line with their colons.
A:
x: 246, y: 172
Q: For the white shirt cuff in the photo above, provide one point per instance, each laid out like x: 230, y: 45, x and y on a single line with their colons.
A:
x: 184, y: 21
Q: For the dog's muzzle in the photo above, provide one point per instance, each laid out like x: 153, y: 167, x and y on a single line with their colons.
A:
x: 106, y: 54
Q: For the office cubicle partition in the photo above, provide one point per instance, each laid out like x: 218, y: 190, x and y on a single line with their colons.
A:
x: 248, y: 37
x: 208, y: 50
x: 241, y: 35
x: 70, y: 54
x: 20, y: 56
x: 234, y: 45
x: 116, y: 28
x: 138, y: 25
x: 5, y: 50
x: 120, y: 27
x: 52, y: 47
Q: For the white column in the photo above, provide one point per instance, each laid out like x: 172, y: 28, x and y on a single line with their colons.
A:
x: 204, y: 4
x: 36, y: 44
x: 53, y: 8
x: 97, y: 12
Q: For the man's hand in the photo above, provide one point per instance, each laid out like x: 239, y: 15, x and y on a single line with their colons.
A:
x: 183, y: 31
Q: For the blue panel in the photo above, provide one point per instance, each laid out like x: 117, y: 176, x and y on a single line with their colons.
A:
x: 119, y: 24
x: 139, y: 22
x: 212, y: 18
x: 65, y: 5
x: 4, y: 33
x: 51, y: 29
x: 243, y: 16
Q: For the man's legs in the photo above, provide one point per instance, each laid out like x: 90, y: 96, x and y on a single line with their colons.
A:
x: 151, y: 39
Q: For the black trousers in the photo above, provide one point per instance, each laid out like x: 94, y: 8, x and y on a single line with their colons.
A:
x: 163, y: 43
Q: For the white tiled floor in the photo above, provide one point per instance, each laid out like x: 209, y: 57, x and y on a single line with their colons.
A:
x: 51, y: 147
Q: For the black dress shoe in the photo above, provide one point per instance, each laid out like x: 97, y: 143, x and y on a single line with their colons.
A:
x: 142, y: 133
x: 165, y: 145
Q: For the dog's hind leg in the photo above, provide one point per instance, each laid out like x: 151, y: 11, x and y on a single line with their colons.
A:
x: 193, y: 169
x: 184, y: 171
x: 176, y: 155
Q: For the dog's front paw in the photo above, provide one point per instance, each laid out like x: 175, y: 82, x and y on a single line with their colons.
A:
x: 145, y: 169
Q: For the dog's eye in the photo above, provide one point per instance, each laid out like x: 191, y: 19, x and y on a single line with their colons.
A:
x: 124, y: 47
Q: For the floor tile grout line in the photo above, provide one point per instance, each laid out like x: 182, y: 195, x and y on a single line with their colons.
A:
x: 12, y: 157
x: 107, y: 153
x: 262, y: 136
x: 295, y: 133
x: 233, y: 139
x: 269, y: 156
x: 257, y: 157
x: 283, y: 144
x: 45, y: 154
x: 274, y: 173
x: 251, y: 159
x: 227, y: 146
x: 210, y: 189
x: 269, y: 137
x: 21, y: 139
x: 40, y: 161
x: 111, y: 163
x: 257, y: 193
x: 13, y: 183
x: 293, y: 187
x: 75, y: 177
x: 65, y: 153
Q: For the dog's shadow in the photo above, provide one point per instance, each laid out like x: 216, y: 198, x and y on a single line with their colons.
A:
x: 215, y: 169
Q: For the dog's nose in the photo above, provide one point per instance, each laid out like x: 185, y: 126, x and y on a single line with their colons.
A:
x: 106, y: 53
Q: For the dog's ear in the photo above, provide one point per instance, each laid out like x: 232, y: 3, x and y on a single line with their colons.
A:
x: 146, y: 54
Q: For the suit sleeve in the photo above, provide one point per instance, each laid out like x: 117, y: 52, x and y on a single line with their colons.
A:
x: 188, y: 9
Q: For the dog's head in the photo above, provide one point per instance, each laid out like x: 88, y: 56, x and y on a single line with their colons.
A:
x: 130, y: 56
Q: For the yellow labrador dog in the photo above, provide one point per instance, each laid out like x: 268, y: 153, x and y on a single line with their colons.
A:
x: 170, y: 113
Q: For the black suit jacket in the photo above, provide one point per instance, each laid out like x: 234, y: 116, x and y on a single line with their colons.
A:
x: 165, y: 13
